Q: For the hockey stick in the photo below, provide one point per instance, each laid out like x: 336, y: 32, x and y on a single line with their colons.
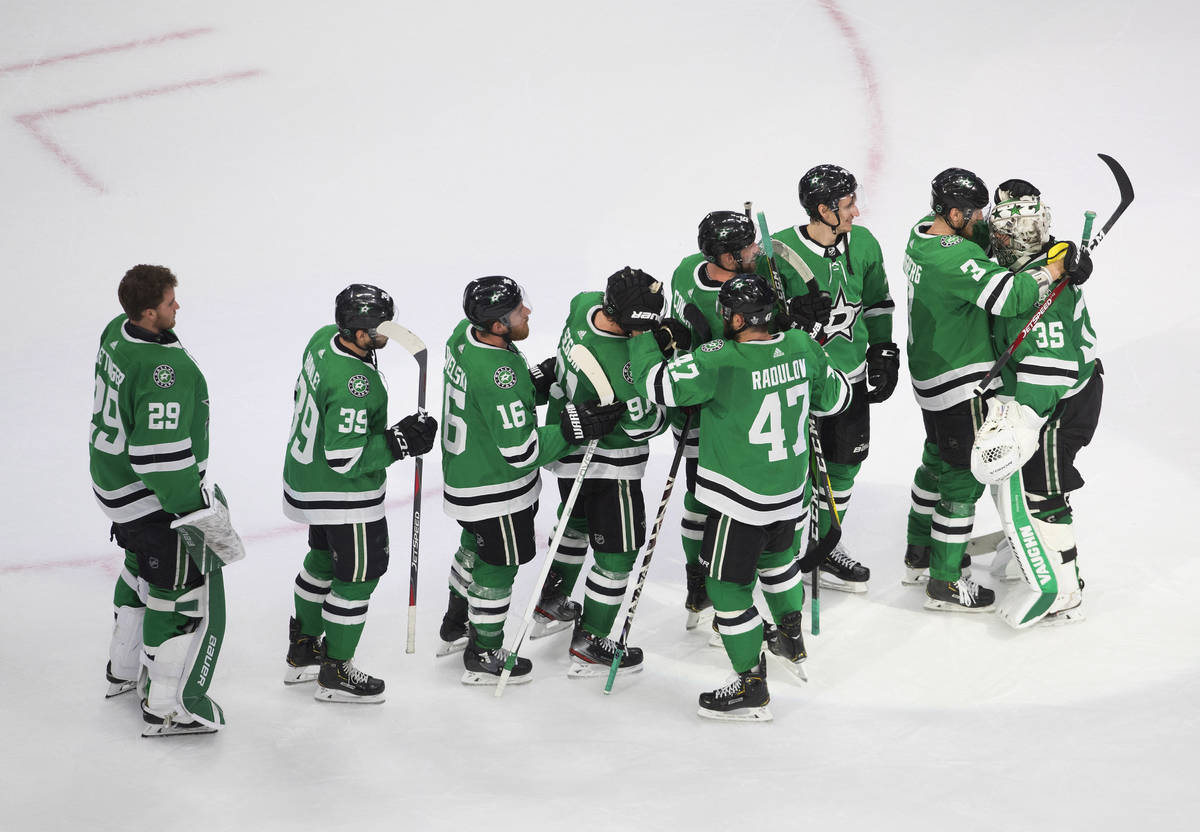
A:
x: 825, y: 544
x: 416, y: 348
x: 619, y: 653
x: 582, y: 358
x: 1126, y: 189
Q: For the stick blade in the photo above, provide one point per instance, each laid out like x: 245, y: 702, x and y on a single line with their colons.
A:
x: 1118, y: 172
x: 582, y: 358
x: 402, y: 336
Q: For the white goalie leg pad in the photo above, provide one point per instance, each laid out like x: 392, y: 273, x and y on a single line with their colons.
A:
x: 180, y: 670
x: 1029, y: 602
x: 125, y: 647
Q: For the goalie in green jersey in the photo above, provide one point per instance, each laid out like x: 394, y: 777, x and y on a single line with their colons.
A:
x: 954, y: 292
x: 755, y: 391
x: 492, y: 450
x: 850, y: 315
x: 149, y: 454
x: 1046, y: 412
x: 334, y: 480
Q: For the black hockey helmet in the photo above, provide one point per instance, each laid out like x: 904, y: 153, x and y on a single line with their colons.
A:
x: 489, y: 299
x: 957, y: 188
x: 361, y: 306
x: 633, y: 299
x: 825, y: 185
x: 1011, y: 189
x: 748, y: 295
x: 724, y: 232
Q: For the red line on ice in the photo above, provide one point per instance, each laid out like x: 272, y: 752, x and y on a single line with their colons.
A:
x: 874, y: 104
x: 31, y: 121
x: 106, y: 50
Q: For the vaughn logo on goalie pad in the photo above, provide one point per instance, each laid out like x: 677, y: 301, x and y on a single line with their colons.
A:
x: 1037, y: 558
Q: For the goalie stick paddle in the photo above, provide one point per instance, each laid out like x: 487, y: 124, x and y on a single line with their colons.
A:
x: 582, y: 358
x: 416, y: 348
x: 1125, y: 187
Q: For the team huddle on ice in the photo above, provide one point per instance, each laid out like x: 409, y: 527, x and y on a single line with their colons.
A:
x: 762, y: 357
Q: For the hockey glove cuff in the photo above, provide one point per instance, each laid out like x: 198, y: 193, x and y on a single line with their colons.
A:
x: 208, y: 536
x: 583, y: 423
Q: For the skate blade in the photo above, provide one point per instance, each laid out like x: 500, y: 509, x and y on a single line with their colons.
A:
x: 448, y: 648
x: 762, y: 714
x: 913, y: 577
x: 543, y: 627
x: 172, y: 730
x: 1064, y: 617
x: 333, y: 695
x: 479, y: 678
x: 795, y: 669
x: 299, y: 675
x: 116, y: 688
x: 838, y: 585
x: 587, y: 670
x: 695, y: 619
x: 950, y: 606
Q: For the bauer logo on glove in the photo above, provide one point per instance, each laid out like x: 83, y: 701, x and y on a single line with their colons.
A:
x: 208, y: 536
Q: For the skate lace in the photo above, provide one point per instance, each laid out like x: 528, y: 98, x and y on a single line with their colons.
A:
x: 840, y: 557
x: 968, y: 590
x: 734, y: 687
x: 353, y: 674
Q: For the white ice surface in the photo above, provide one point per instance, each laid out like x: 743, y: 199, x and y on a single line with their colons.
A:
x: 271, y: 153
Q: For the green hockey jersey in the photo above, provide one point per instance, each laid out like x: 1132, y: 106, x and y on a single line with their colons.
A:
x: 492, y: 446
x: 851, y: 271
x: 149, y: 431
x: 622, y: 454
x: 335, y: 467
x: 953, y: 288
x: 1055, y: 360
x: 755, y: 399
x: 690, y: 285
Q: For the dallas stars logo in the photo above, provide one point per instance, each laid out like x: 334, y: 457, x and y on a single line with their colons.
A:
x: 505, y: 378
x: 842, y: 318
x: 164, y: 375
x: 359, y: 386
x: 627, y: 372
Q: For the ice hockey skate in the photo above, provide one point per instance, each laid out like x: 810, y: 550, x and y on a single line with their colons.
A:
x: 963, y: 595
x: 168, y: 725
x: 843, y: 573
x: 698, y: 604
x: 916, y: 565
x: 303, y: 661
x: 453, y: 632
x: 743, y: 699
x: 786, y: 643
x: 483, y: 667
x: 117, y: 685
x: 592, y: 655
x: 554, y: 611
x: 341, y: 681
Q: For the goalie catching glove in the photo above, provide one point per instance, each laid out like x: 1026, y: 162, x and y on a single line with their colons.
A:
x: 412, y: 436
x: 585, y: 422
x: 1005, y: 441
x: 208, y: 536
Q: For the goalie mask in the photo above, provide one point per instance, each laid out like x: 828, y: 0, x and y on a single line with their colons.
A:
x: 1019, y: 229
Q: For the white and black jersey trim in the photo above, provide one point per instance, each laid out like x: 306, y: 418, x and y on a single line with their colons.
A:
x: 1047, y: 372
x: 953, y: 386
x: 727, y: 496
x: 645, y: 434
x: 692, y: 449
x: 482, y: 502
x: 344, y: 611
x: 519, y: 456
x: 343, y: 459
x: 996, y: 292
x: 658, y: 384
x: 884, y: 307
x: 606, y: 463
x: 844, y: 393
x: 129, y: 502
x: 161, y: 458
x: 780, y: 578
x: 735, y: 623
x: 333, y: 508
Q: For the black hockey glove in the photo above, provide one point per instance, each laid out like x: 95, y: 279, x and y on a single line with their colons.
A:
x: 883, y: 369
x: 808, y: 311
x: 543, y: 377
x: 1077, y: 265
x: 585, y: 422
x: 673, y: 337
x: 412, y: 436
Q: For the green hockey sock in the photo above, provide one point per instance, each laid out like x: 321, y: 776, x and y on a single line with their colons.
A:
x: 692, y: 526
x: 489, y: 598
x: 737, y: 621
x: 842, y: 479
x: 125, y: 593
x: 570, y: 554
x: 311, y: 589
x: 463, y: 565
x: 604, y: 590
x: 924, y: 496
x: 952, y: 521
x: 163, y: 620
x: 779, y: 575
x: 345, y: 614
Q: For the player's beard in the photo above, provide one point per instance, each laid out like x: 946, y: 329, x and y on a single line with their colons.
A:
x: 519, y: 333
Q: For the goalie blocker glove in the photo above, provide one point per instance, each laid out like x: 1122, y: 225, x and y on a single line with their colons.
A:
x: 883, y: 369
x: 543, y: 377
x: 412, y: 436
x: 673, y: 336
x: 583, y: 423
x: 207, y: 534
x: 1077, y: 265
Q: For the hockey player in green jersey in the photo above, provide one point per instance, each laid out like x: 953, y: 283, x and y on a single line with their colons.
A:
x: 851, y: 316
x: 755, y: 391
x: 149, y: 451
x: 1048, y: 409
x: 492, y: 450
x: 727, y: 244
x: 609, y: 512
x: 953, y: 291
x: 334, y: 479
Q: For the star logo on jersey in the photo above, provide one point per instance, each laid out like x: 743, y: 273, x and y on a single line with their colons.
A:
x: 713, y: 346
x: 627, y: 372
x: 950, y: 240
x: 359, y: 386
x: 164, y: 375
x: 842, y: 318
x: 505, y: 378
